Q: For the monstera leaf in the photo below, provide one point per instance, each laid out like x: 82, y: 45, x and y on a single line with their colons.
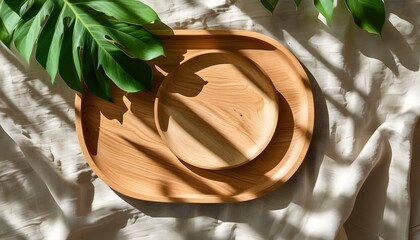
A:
x: 367, y: 14
x: 269, y: 4
x: 326, y: 8
x: 87, y: 42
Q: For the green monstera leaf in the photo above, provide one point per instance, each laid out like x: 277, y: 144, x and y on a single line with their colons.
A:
x: 368, y: 14
x: 270, y: 5
x: 326, y: 8
x: 85, y: 41
x: 8, y: 21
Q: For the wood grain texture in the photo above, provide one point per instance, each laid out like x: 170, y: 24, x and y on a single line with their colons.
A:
x: 216, y: 110
x: 121, y: 142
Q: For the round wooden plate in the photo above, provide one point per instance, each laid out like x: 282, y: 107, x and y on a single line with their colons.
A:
x: 123, y: 147
x: 216, y: 110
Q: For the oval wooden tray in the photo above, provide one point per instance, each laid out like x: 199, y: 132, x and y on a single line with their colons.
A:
x: 121, y: 143
x: 216, y: 110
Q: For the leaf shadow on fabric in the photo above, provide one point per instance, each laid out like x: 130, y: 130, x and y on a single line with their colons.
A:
x: 409, y: 13
x: 8, y: 231
x: 105, y: 228
x: 372, y: 198
x: 414, y: 183
x: 23, y: 189
x: 392, y: 47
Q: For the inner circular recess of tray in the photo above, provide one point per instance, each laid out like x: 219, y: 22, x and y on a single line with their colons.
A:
x: 216, y: 110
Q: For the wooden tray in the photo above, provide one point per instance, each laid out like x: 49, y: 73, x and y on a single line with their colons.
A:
x: 121, y: 143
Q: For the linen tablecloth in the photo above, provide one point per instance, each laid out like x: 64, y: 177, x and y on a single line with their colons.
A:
x: 358, y: 180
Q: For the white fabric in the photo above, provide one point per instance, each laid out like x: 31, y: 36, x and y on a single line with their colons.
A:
x: 353, y: 184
